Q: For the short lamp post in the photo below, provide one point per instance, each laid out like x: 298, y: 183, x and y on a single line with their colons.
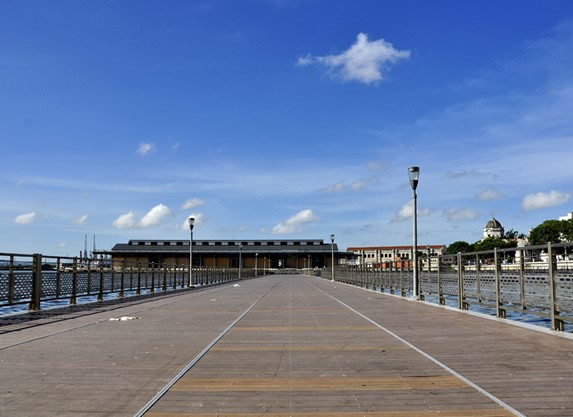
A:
x: 191, y: 221
x: 332, y: 254
x: 414, y: 175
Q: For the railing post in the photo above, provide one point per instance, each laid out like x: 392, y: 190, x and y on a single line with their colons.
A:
x: 11, y: 280
x: 461, y: 296
x: 100, y: 291
x: 138, y: 290
x: 74, y: 281
x: 164, y: 269
x: 58, y: 277
x: 36, y: 295
x: 112, y: 270
x: 89, y: 278
x: 478, y: 279
x: 500, y: 311
x: 402, y: 289
x: 522, y: 279
x: 122, y: 278
x: 420, y: 269
x: 441, y: 299
x: 556, y: 322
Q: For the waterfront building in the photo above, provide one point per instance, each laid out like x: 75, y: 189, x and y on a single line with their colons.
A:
x: 385, y: 256
x: 273, y: 254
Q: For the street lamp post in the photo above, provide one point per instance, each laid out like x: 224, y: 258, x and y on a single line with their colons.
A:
x: 191, y: 221
x: 256, y: 262
x: 414, y: 175
x: 332, y: 254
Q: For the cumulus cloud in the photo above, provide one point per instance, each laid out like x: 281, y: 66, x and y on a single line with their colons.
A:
x: 294, y: 223
x: 199, y: 219
x: 125, y: 221
x: 456, y: 214
x: 364, y: 62
x: 191, y: 203
x: 25, y: 218
x: 407, y: 211
x: 541, y: 200
x: 81, y: 220
x: 488, y: 195
x: 334, y: 188
x: 145, y: 148
x: 154, y: 216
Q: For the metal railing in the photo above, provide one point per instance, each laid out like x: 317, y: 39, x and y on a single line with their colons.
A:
x: 532, y: 283
x: 35, y: 279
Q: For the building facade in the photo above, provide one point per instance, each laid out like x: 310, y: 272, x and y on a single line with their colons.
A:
x: 273, y: 254
x: 387, y: 256
x: 493, y: 228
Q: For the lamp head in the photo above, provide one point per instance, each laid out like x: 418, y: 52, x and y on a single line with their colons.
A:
x: 191, y: 221
x: 332, y: 238
x: 414, y: 175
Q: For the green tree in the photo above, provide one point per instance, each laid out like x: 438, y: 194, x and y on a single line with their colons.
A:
x: 513, y: 234
x: 568, y: 230
x: 490, y: 243
x: 459, y: 246
x: 554, y: 231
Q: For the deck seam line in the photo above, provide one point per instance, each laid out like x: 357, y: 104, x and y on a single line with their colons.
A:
x: 432, y: 359
x: 180, y: 375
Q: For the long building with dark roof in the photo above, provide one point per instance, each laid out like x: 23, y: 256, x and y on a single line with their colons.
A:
x: 274, y: 254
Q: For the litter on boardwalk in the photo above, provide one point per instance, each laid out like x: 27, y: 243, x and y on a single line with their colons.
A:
x: 123, y: 318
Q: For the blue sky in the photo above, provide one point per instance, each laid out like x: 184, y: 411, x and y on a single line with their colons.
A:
x: 281, y: 119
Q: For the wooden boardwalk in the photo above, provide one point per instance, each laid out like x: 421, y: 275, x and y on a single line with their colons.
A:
x: 283, y: 346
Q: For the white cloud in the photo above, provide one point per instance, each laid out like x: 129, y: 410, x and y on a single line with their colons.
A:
x: 364, y: 61
x: 488, y: 195
x: 294, y: 223
x: 125, y: 221
x: 541, y: 200
x: 359, y: 185
x: 334, y: 188
x: 81, y: 220
x: 407, y: 211
x: 25, y: 218
x: 145, y: 148
x: 154, y: 216
x: 191, y: 203
x: 455, y: 214
x: 199, y: 219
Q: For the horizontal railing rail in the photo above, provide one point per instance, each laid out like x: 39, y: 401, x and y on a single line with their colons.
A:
x: 33, y: 279
x: 532, y: 283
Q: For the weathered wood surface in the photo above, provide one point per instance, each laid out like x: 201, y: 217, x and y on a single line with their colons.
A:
x: 298, y: 352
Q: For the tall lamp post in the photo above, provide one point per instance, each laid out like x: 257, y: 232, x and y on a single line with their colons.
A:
x: 191, y: 221
x: 332, y: 254
x: 414, y: 175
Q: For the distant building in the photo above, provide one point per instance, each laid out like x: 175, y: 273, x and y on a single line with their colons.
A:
x: 493, y: 228
x: 274, y: 254
x: 384, y: 256
x: 569, y: 216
